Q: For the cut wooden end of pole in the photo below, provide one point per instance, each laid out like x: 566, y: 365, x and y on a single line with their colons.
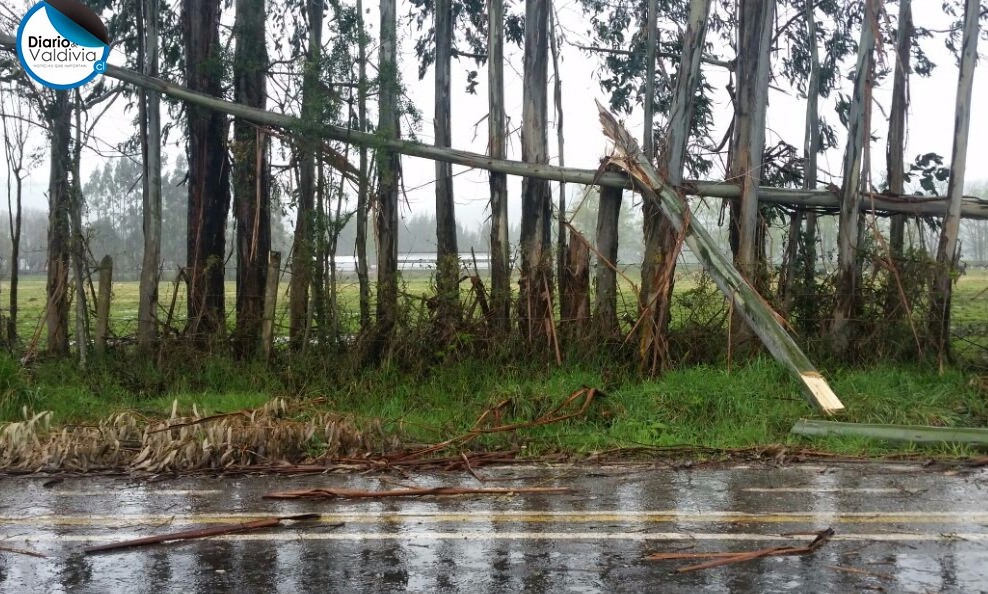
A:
x: 825, y: 398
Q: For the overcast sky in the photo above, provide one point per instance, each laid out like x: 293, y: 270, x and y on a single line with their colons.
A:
x: 930, y: 119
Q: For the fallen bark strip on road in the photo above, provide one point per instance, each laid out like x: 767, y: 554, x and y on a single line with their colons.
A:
x: 326, y: 493
x: 200, y: 533
x: 22, y: 552
x: 720, y: 559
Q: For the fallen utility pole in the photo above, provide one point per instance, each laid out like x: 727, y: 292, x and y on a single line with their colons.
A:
x: 972, y: 208
x: 911, y: 433
x: 745, y: 299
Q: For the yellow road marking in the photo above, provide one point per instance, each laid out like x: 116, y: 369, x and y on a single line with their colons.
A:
x: 485, y: 535
x: 517, y: 516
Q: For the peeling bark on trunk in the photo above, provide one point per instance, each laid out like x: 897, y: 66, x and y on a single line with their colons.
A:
x: 251, y: 177
x: 802, y: 248
x: 59, y: 199
x: 209, y: 171
x: 150, y: 103
x: 848, y: 269
x: 79, y: 251
x: 448, y: 256
x: 500, y: 248
x: 605, y: 308
x: 303, y: 249
x: 557, y: 98
x: 388, y: 170
x: 948, y: 250
x: 895, y: 161
x: 535, y: 303
x: 577, y: 291
x: 894, y: 154
x: 662, y: 244
x: 363, y: 185
x: 753, y: 69
x: 651, y: 41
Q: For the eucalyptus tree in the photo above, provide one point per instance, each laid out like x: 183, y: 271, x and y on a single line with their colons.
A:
x: 662, y: 241
x: 303, y: 246
x: 388, y: 171
x: 499, y: 244
x: 848, y: 231
x: 59, y: 117
x: 20, y: 158
x: 150, y: 127
x: 453, y: 22
x: 209, y: 170
x: 251, y: 191
x: 535, y: 281
x: 948, y: 249
x: 894, y: 157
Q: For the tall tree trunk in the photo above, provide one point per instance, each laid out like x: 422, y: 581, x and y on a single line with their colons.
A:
x: 801, y: 250
x: 608, y: 216
x: 651, y: 43
x: 895, y: 161
x: 500, y: 249
x: 363, y: 276
x: 79, y: 242
x: 251, y: 194
x: 753, y: 70
x: 948, y: 250
x: 566, y: 308
x: 811, y: 151
x: 662, y: 243
x: 535, y: 283
x: 15, y: 137
x: 388, y: 170
x: 150, y: 103
x: 209, y: 171
x: 848, y: 231
x: 448, y: 264
x: 894, y: 153
x: 302, y: 245
x: 59, y: 203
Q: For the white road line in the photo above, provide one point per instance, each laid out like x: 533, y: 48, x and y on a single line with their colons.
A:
x: 865, y: 490
x: 513, y: 516
x: 139, y: 492
x: 286, y: 536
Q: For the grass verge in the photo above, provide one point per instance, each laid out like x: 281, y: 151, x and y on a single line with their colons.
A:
x: 700, y: 407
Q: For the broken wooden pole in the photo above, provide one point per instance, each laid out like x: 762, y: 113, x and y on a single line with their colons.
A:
x: 103, y: 303
x: 746, y: 301
x: 972, y: 208
x: 910, y: 433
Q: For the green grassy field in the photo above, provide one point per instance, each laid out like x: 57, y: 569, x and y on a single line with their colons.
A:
x: 706, y: 406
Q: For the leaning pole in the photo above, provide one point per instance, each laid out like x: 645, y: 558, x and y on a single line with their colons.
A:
x: 744, y: 298
x: 972, y: 208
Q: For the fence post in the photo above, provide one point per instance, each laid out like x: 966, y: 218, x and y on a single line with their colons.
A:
x: 270, y: 301
x: 103, y: 303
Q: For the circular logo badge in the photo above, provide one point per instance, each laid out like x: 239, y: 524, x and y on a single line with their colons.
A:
x: 62, y: 44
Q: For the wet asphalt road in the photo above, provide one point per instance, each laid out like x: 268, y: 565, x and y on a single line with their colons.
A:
x: 898, y: 529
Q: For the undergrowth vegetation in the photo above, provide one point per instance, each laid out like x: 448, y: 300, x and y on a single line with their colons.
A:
x: 407, y: 406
